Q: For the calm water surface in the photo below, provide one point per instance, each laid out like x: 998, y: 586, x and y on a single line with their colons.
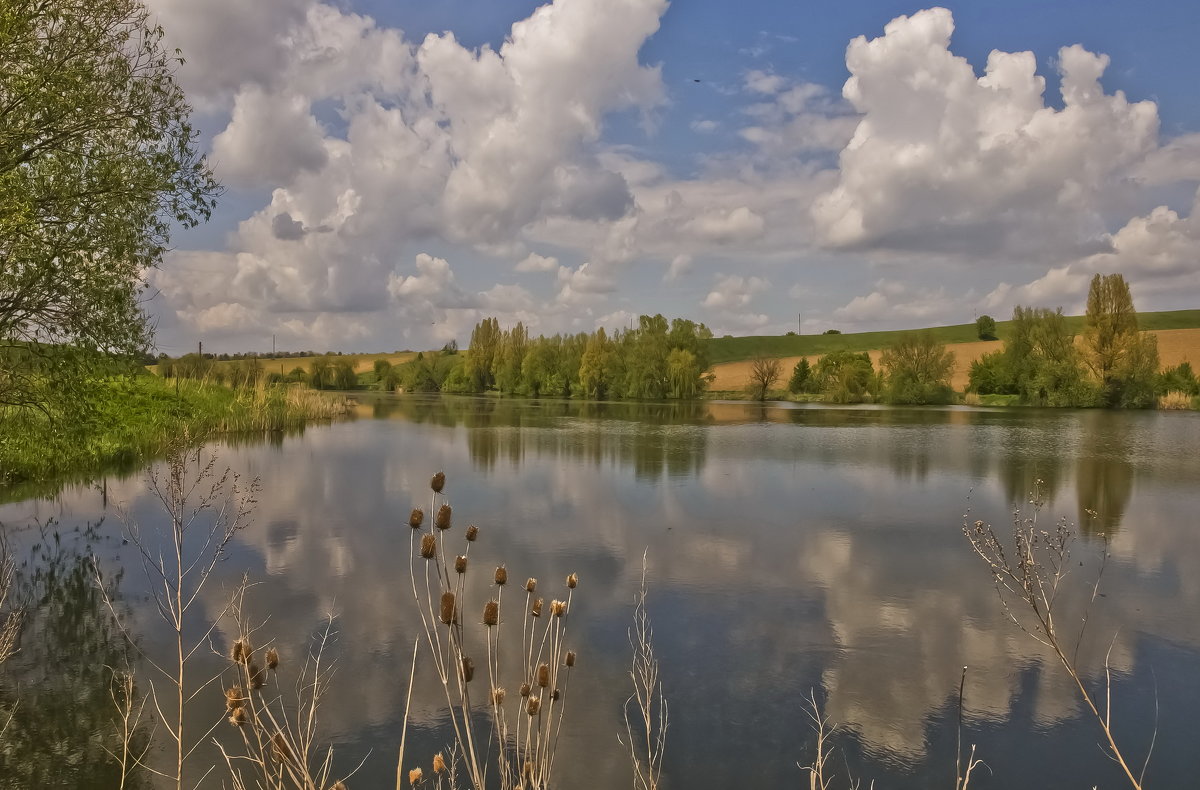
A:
x: 790, y: 549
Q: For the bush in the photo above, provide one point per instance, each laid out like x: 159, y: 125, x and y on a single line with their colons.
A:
x: 985, y: 327
x: 917, y: 370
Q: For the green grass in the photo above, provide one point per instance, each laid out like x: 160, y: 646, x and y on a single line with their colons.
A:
x: 135, y: 419
x: 734, y: 349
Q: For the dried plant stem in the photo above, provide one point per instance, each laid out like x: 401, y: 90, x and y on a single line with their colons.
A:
x: 1033, y: 578
x: 647, y: 699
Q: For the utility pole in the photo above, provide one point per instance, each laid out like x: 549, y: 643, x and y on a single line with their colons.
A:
x: 799, y: 325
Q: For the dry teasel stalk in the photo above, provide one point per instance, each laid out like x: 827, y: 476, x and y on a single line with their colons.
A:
x: 241, y: 651
x: 235, y: 697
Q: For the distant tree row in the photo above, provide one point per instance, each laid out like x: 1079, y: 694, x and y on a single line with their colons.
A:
x: 1113, y: 365
x: 657, y: 359
x: 916, y: 370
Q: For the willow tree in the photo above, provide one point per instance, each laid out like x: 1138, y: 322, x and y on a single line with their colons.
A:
x: 98, y: 164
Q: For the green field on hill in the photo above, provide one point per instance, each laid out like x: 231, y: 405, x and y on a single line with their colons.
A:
x: 734, y: 349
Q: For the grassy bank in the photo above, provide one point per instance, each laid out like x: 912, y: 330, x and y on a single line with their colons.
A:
x: 731, y: 349
x: 136, y: 417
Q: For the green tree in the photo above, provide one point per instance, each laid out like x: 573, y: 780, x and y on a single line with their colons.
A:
x: 511, y: 358
x: 990, y: 375
x: 801, y: 378
x: 646, y: 360
x: 1046, y: 366
x: 97, y: 163
x: 985, y: 327
x: 846, y: 377
x: 683, y: 374
x: 917, y: 370
x: 1124, y: 362
x: 595, y: 368
x: 486, y: 340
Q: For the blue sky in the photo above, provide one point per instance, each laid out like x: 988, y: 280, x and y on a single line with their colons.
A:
x: 397, y: 171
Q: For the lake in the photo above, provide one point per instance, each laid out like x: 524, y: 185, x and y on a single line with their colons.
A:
x: 792, y: 549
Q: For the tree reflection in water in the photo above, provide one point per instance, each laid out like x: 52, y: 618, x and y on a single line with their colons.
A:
x: 59, y: 686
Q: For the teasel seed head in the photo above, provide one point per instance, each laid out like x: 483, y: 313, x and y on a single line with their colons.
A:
x: 428, y: 546
x: 448, y: 608
x: 558, y: 607
x: 468, y: 669
x: 439, y: 763
x: 491, y: 613
x: 438, y: 482
x: 498, y: 695
x: 416, y: 518
x: 525, y: 689
x: 528, y: 769
x: 543, y: 675
x: 338, y: 785
x: 530, y: 584
x: 235, y: 697
x: 501, y: 576
x: 241, y: 650
x: 555, y: 695
x: 472, y: 533
x: 460, y: 564
x: 415, y: 776
x: 536, y: 611
x: 237, y: 717
x: 573, y: 580
x: 272, y: 659
x: 570, y: 658
x: 442, y: 519
x: 280, y: 748
x: 258, y: 675
x: 532, y: 704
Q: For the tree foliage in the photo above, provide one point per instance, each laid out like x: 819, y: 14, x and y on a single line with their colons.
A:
x: 97, y: 163
x: 802, y: 377
x: 658, y: 359
x: 917, y: 370
x: 1123, y: 361
x: 846, y: 377
x: 985, y: 327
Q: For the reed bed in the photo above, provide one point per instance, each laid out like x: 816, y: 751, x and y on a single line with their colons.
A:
x: 134, y: 419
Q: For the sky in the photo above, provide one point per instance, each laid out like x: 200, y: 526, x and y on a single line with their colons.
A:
x: 396, y: 171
